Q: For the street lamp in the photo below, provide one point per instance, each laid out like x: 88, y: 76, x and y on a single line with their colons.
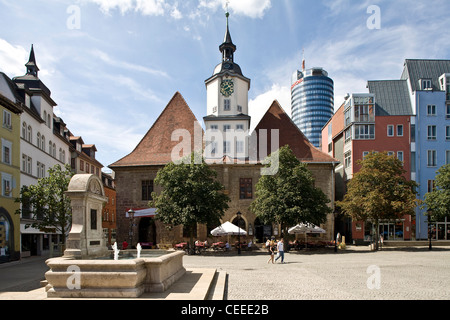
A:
x: 131, y: 216
x: 239, y: 231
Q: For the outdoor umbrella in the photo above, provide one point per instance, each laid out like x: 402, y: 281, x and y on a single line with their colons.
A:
x: 228, y: 229
x: 305, y: 228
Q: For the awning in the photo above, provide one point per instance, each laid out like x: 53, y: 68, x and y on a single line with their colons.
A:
x: 141, y: 213
x: 30, y: 230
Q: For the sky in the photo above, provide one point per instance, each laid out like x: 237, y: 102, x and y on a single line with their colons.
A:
x: 113, y: 65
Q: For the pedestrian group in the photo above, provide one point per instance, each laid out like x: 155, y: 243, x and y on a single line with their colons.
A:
x: 275, y: 246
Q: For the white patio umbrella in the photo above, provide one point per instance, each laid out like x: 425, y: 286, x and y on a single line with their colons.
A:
x: 228, y: 229
x: 305, y: 228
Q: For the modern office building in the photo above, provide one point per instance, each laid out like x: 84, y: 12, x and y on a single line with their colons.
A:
x: 312, y: 101
x: 429, y: 91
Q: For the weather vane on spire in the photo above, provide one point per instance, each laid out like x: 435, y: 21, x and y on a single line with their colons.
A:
x: 227, y: 2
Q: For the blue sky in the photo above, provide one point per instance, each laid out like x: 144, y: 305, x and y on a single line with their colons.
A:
x: 113, y: 65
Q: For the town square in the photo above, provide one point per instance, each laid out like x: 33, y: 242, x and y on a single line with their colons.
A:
x: 240, y: 151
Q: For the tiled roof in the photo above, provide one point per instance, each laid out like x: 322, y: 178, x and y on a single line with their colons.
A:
x: 416, y: 69
x: 157, y: 145
x: 290, y: 134
x: 391, y: 97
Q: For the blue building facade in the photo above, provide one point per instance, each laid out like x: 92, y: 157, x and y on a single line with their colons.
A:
x: 312, y: 102
x: 429, y: 85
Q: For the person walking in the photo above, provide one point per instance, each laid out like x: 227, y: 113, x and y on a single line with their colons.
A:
x: 280, y: 249
x: 270, y: 244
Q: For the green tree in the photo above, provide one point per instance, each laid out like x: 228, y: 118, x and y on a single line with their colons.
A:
x: 288, y: 196
x: 47, y: 203
x: 437, y: 202
x: 190, y: 195
x: 379, y: 190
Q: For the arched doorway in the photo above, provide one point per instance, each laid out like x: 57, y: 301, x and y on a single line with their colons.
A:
x: 262, y: 232
x: 240, y: 223
x: 147, y: 231
x: 6, y: 236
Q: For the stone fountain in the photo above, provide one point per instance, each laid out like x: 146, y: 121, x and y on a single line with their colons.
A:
x: 85, y: 270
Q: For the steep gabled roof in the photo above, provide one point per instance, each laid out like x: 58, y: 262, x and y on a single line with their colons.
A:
x: 391, y: 97
x: 156, y: 147
x: 289, y: 134
x: 416, y: 69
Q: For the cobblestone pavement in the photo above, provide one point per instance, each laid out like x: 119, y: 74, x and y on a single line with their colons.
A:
x: 353, y: 274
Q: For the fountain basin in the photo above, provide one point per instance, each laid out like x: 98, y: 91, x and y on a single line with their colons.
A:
x: 98, y: 278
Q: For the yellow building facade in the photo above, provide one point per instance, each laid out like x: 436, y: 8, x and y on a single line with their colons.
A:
x: 10, y: 179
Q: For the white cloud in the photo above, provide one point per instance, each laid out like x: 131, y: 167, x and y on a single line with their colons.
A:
x: 12, y: 58
x: 126, y: 65
x: 259, y: 106
x: 250, y: 8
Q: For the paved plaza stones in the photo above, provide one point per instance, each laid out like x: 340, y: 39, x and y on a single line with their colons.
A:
x: 405, y: 274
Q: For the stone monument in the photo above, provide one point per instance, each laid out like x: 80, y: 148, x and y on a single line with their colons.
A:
x: 86, y: 237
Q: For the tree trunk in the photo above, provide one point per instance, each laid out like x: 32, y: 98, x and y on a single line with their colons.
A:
x: 377, y: 233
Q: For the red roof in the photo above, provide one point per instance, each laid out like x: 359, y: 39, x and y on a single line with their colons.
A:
x: 276, y: 118
x: 157, y: 145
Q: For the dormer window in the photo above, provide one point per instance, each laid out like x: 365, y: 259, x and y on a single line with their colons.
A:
x: 425, y: 84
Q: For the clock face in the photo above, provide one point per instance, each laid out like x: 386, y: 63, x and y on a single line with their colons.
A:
x: 227, y: 88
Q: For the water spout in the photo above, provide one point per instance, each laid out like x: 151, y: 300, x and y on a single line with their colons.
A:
x: 116, y: 251
x: 139, y: 248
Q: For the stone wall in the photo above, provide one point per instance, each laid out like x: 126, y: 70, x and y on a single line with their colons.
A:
x: 128, y: 188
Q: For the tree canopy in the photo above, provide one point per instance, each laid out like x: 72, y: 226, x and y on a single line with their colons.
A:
x: 289, y: 196
x: 47, y: 203
x: 438, y: 201
x: 379, y: 190
x: 190, y: 195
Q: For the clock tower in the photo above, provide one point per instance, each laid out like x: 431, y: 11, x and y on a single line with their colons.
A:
x: 227, y: 105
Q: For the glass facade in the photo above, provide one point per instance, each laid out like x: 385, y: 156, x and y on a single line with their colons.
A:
x: 312, y: 102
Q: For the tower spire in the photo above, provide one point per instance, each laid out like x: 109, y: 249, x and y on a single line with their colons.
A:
x: 32, y: 68
x: 227, y: 47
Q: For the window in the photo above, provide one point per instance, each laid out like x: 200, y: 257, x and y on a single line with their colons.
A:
x: 431, y: 186
x: 348, y: 159
x: 226, y: 105
x: 87, y: 167
x: 147, y: 189
x: 400, y: 130
x: 390, y: 153
x: 7, y: 119
x: 81, y: 165
x: 400, y: 155
x: 431, y: 133
x: 426, y: 84
x: 240, y: 127
x: 364, y: 113
x: 226, y: 147
x: 365, y: 154
x: 448, y: 112
x: 447, y: 157
x: 447, y: 133
x: 214, y: 127
x: 6, y: 151
x: 245, y: 188
x: 214, y: 109
x: 239, y: 147
x: 348, y: 135
x: 239, y: 109
x: 7, y: 185
x: 26, y: 164
x: 364, y: 131
x: 30, y: 134
x: 390, y: 130
x: 226, y: 128
x: 50, y: 148
x: 431, y: 158
x: 24, y: 130
x: 431, y: 110
x: 40, y: 170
